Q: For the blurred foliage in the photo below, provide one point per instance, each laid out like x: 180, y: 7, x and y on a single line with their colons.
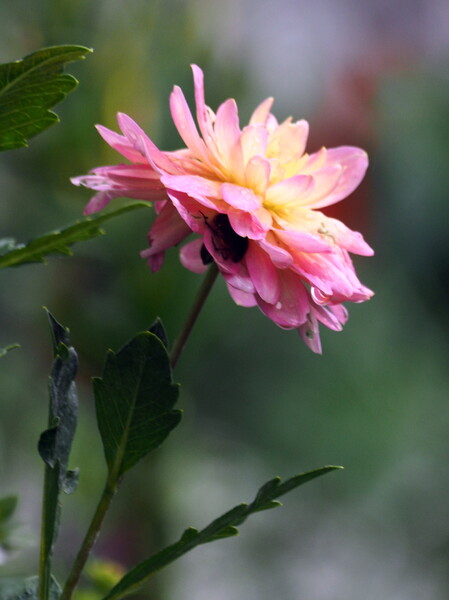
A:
x: 255, y: 399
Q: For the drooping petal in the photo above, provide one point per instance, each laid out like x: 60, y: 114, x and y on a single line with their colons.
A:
x: 167, y: 230
x: 291, y: 310
x: 263, y: 273
x: 190, y: 256
x: 241, y: 298
x: 98, y: 202
x: 281, y: 258
x: 310, y: 334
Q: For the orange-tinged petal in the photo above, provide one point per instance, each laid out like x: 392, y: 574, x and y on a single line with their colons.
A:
x: 290, y: 191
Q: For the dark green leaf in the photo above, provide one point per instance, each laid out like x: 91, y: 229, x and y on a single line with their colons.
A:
x: 58, y: 242
x: 7, y: 349
x: 158, y: 329
x: 55, y: 442
x: 224, y: 526
x: 29, y: 88
x: 15, y: 588
x: 134, y: 402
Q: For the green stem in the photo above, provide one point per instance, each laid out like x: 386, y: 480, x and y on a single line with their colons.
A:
x: 90, y: 538
x: 44, y: 559
x: 193, y: 315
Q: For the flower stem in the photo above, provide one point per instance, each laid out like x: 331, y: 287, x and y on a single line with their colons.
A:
x: 44, y: 560
x: 90, y: 538
x: 193, y: 315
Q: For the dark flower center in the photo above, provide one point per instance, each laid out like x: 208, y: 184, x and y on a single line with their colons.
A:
x: 225, y: 241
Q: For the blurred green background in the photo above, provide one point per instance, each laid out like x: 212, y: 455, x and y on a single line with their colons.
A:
x: 257, y: 403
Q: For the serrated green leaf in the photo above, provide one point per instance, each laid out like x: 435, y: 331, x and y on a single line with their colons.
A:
x: 15, y: 588
x: 6, y: 349
x: 56, y: 441
x: 59, y: 242
x: 224, y: 526
x: 134, y: 402
x: 29, y: 88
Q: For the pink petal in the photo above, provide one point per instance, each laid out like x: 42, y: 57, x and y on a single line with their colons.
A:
x: 121, y: 144
x: 98, y: 202
x: 203, y: 114
x: 240, y: 280
x: 281, y: 258
x: 143, y: 144
x: 227, y: 137
x: 299, y: 241
x: 167, y: 230
x: 292, y: 308
x: 353, y: 162
x: 191, y: 211
x: 241, y: 298
x: 205, y: 191
x: 326, y: 181
x: 185, y: 124
x: 254, y: 141
x: 288, y: 141
x: 310, y: 334
x: 240, y: 197
x: 260, y: 115
x: 263, y: 273
x: 191, y: 258
x: 352, y: 241
x: 251, y: 225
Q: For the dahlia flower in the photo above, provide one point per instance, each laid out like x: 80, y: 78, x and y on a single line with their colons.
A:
x: 252, y: 197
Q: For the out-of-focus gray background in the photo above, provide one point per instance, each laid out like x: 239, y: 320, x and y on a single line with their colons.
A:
x: 257, y: 403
